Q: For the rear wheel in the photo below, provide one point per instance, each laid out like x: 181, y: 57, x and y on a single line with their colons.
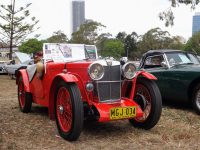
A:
x: 196, y: 99
x: 148, y: 97
x: 24, y: 98
x: 11, y: 76
x: 69, y: 111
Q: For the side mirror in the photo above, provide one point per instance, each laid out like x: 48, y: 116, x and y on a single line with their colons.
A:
x: 164, y: 64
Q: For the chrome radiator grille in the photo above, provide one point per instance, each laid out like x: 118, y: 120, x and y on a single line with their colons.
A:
x: 109, y: 87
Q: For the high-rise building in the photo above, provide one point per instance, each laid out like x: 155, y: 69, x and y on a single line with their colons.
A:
x: 196, y: 23
x: 78, y: 14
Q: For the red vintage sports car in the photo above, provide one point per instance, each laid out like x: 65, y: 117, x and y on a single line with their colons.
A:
x: 76, y: 86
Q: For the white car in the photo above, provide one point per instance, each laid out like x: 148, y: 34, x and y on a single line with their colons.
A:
x: 3, y: 67
x: 24, y: 60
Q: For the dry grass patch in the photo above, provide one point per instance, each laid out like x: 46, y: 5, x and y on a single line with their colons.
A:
x: 177, y: 129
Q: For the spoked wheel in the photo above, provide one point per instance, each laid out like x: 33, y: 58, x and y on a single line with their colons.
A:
x: 147, y: 96
x: 69, y: 111
x: 24, y: 98
x: 143, y: 98
x: 196, y: 99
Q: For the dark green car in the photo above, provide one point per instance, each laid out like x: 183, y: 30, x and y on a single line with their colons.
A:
x: 178, y: 74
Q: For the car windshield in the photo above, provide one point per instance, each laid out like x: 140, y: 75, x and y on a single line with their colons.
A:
x: 68, y: 52
x: 181, y: 58
x: 193, y: 58
x: 91, y: 51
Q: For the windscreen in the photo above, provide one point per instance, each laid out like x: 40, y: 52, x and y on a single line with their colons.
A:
x: 91, y: 51
x: 63, y: 52
x: 178, y: 58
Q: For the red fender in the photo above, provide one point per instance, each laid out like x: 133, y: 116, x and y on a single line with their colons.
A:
x: 67, y: 77
x: 147, y: 75
x: 25, y: 78
x: 60, y: 77
x: 140, y: 73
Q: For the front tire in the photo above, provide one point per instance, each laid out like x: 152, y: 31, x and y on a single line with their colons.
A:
x: 24, y: 98
x: 69, y: 111
x: 148, y: 97
x: 196, y: 99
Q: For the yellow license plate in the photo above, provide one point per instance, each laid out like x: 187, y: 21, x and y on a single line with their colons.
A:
x: 122, y: 112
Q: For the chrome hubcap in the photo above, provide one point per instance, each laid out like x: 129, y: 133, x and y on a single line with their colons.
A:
x: 141, y: 101
x: 20, y: 93
x: 61, y: 109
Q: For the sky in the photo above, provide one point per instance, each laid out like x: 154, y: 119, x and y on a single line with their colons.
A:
x: 117, y: 15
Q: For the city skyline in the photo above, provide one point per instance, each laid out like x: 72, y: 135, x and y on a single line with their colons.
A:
x: 78, y: 14
x: 196, y: 23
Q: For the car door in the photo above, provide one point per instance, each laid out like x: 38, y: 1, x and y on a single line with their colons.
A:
x: 171, y: 80
x: 155, y: 65
x: 176, y: 84
x: 37, y: 88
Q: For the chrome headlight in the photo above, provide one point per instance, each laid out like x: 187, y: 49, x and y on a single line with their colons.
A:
x: 96, y: 71
x: 129, y: 70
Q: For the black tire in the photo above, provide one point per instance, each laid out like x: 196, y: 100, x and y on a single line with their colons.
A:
x: 24, y: 98
x: 196, y: 99
x: 155, y: 103
x: 69, y: 132
x: 11, y: 76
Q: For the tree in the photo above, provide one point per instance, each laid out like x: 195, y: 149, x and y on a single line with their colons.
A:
x: 154, y: 39
x: 193, y: 44
x: 58, y: 37
x: 101, y: 39
x: 130, y: 43
x: 31, y: 46
x: 88, y: 33
x: 14, y: 27
x: 177, y: 42
x: 113, y: 48
x: 121, y: 36
x: 168, y: 15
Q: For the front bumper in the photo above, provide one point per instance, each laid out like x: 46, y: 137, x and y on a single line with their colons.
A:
x: 104, y: 108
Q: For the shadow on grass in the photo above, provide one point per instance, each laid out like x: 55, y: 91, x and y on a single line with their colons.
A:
x: 39, y: 110
x: 93, y: 128
x: 178, y: 105
x: 1, y: 74
x: 113, y: 129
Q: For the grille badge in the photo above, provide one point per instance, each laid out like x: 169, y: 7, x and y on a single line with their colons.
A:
x: 109, y: 62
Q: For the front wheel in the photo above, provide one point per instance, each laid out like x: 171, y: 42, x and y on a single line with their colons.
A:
x: 24, y: 98
x: 148, y: 97
x: 196, y: 99
x: 69, y: 111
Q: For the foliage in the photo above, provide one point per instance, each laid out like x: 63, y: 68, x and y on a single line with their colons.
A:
x: 121, y: 36
x: 14, y: 26
x: 177, y: 43
x: 154, y: 39
x: 130, y: 43
x: 158, y: 39
x: 58, y: 37
x: 101, y: 39
x: 193, y: 43
x: 112, y: 48
x: 31, y: 46
x: 168, y: 15
x: 88, y: 33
